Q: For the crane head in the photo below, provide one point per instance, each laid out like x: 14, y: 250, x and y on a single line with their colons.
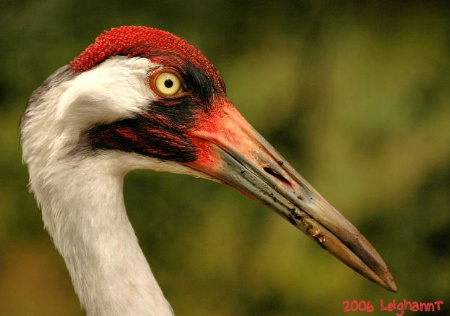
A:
x: 148, y: 94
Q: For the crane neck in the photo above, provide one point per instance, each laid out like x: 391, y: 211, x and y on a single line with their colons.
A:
x: 83, y: 210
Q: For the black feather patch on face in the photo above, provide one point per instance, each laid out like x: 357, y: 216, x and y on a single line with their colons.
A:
x: 149, y: 135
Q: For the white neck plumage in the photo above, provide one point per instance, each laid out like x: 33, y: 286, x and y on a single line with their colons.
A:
x: 88, y: 223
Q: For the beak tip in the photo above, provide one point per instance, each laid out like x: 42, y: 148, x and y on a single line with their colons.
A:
x: 383, y: 278
x: 390, y: 284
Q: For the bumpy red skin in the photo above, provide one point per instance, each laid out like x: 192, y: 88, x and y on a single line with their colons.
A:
x: 135, y: 41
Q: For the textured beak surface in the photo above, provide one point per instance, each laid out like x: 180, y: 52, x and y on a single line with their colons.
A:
x: 232, y: 152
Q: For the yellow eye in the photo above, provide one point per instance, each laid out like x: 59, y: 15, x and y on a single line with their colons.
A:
x: 167, y: 84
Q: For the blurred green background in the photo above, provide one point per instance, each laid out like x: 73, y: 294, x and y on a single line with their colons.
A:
x: 355, y: 94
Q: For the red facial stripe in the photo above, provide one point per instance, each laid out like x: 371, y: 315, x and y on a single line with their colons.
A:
x: 222, y: 127
x: 225, y: 128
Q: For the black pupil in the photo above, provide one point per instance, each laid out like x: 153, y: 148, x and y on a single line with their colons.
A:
x: 168, y: 83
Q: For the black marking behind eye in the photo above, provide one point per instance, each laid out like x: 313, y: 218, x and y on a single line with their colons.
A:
x: 199, y: 84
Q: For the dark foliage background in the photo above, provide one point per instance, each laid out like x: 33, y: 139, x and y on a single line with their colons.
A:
x: 355, y: 94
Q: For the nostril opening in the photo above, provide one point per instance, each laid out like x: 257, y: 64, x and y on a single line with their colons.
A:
x: 276, y: 175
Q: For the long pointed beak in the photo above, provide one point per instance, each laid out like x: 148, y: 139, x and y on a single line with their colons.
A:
x: 232, y: 152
